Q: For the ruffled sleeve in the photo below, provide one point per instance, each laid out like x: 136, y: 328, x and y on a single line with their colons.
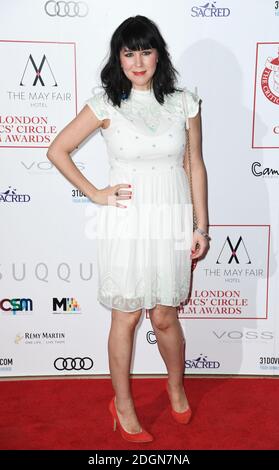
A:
x: 98, y: 103
x: 190, y: 103
x: 193, y: 101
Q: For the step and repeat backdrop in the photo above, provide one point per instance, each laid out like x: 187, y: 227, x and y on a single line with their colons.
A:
x: 51, y: 57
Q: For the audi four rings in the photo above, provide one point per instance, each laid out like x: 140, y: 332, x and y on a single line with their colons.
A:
x: 76, y: 363
x: 70, y: 9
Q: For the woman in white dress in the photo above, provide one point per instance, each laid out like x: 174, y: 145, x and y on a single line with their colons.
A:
x: 146, y: 243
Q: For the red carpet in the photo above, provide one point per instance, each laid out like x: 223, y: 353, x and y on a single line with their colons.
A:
x: 228, y: 413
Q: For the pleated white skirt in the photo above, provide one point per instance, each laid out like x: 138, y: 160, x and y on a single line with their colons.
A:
x: 144, y: 250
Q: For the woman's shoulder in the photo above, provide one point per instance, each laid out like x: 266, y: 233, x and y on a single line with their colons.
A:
x: 98, y: 95
x: 192, y: 100
x: 99, y: 103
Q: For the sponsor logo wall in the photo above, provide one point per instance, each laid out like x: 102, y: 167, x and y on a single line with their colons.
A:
x: 51, y: 322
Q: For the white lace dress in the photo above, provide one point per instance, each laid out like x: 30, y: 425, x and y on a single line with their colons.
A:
x: 144, y: 250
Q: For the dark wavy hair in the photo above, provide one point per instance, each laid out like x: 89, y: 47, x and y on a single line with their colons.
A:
x: 137, y: 33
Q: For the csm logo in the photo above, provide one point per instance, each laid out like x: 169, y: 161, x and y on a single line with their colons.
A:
x: 16, y: 305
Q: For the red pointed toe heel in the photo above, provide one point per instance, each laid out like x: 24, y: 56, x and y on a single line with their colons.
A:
x: 142, y: 436
x: 183, y: 417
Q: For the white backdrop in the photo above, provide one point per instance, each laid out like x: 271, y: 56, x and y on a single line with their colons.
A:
x: 51, y: 57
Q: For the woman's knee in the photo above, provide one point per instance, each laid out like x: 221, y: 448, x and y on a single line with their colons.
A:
x: 129, y: 319
x: 163, y: 316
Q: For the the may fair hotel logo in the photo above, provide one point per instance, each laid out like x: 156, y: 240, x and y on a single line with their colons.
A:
x: 231, y: 282
x: 38, y: 91
x: 266, y: 97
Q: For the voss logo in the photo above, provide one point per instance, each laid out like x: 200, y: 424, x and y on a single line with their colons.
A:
x: 237, y: 335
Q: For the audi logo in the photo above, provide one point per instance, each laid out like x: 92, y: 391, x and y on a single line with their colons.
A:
x: 70, y: 9
x: 77, y: 363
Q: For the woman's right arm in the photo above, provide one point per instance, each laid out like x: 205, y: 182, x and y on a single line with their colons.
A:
x: 68, y: 140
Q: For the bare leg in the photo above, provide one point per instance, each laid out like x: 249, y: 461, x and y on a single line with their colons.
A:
x: 120, y: 347
x: 171, y: 344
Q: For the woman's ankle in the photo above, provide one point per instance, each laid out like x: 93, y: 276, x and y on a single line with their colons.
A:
x: 123, y: 404
x: 175, y: 385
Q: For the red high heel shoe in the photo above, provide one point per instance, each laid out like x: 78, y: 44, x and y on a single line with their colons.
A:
x: 183, y: 417
x: 142, y: 436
